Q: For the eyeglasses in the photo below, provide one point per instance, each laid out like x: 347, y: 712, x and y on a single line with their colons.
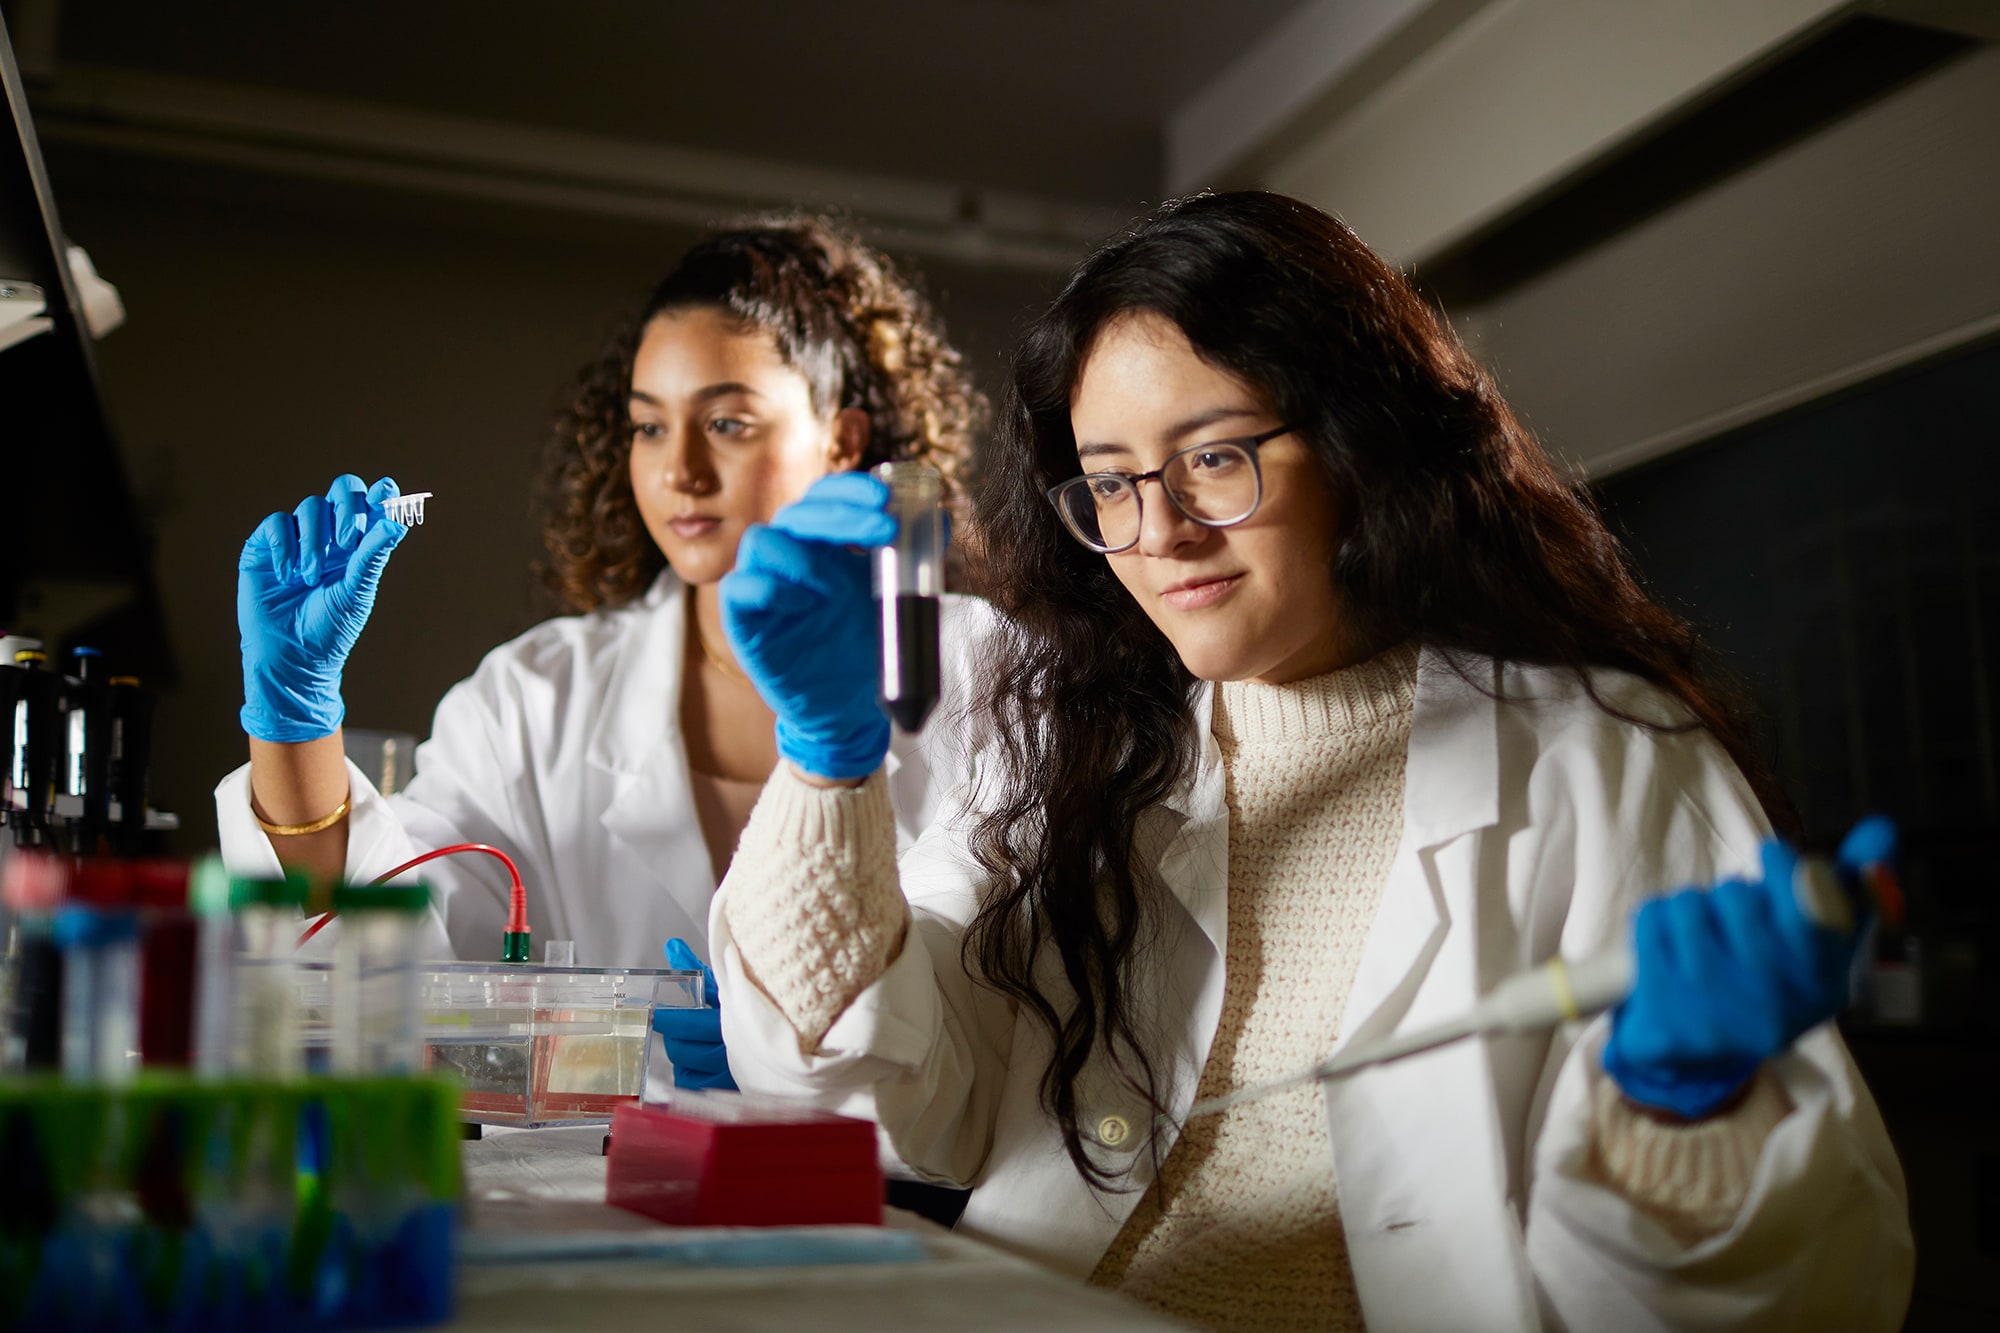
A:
x: 1217, y: 484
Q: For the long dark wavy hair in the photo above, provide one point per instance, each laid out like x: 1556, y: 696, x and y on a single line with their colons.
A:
x: 860, y: 332
x: 1462, y: 536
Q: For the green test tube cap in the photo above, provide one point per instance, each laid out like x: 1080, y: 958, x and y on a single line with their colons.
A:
x: 208, y: 887
x: 290, y: 891
x: 408, y: 898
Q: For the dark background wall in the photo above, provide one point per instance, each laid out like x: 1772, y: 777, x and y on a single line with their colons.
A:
x: 1846, y: 559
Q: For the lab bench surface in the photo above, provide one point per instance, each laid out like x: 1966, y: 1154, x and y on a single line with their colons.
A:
x: 527, y: 1187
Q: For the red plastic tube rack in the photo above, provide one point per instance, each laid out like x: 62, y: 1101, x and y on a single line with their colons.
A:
x: 723, y: 1159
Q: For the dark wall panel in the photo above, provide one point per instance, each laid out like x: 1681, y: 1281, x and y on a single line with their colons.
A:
x: 1845, y: 559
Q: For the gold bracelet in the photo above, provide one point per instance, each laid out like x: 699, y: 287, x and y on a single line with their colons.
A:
x: 300, y: 830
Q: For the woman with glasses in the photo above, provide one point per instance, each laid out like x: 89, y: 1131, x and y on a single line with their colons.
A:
x: 1326, y: 705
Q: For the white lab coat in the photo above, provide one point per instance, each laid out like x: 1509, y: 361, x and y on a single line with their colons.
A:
x: 1530, y: 828
x: 564, y: 750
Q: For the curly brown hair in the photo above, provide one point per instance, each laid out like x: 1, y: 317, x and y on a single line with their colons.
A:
x: 861, y: 333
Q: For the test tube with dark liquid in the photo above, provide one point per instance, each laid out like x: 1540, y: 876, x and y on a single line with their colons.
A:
x: 909, y: 577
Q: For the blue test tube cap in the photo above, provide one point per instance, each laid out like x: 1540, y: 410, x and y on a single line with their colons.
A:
x: 87, y: 927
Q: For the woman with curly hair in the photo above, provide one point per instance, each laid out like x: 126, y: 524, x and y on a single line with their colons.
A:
x: 1324, y: 703
x: 614, y: 753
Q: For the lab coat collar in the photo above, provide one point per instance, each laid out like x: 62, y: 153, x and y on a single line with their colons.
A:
x: 1451, y: 786
x: 1192, y: 827
x: 641, y: 714
x: 638, y: 740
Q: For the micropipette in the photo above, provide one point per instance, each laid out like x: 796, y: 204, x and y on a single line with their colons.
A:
x: 1561, y: 992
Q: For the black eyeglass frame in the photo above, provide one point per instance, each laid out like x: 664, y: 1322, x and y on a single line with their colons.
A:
x: 1250, y: 445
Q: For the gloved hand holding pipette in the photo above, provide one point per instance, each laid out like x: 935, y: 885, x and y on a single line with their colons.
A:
x: 305, y: 584
x: 1713, y: 982
x: 800, y: 617
x: 1726, y: 978
x: 693, y: 1037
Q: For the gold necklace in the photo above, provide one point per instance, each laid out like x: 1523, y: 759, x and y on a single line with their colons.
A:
x: 716, y: 660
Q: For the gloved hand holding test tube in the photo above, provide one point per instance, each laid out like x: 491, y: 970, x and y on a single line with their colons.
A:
x: 815, y: 631
x: 909, y: 577
x: 1710, y: 984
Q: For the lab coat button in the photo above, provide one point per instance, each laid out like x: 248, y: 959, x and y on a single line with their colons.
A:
x: 1112, y: 1131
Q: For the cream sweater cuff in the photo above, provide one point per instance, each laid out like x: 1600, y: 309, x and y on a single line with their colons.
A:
x: 1692, y: 1179
x: 813, y: 901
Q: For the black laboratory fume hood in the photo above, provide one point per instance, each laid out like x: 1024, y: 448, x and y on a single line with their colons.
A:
x: 75, y: 555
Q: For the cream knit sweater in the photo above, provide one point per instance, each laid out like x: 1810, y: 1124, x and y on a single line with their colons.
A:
x: 1243, y: 1229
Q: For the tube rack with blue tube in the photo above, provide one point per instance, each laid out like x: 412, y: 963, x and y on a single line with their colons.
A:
x: 174, y: 1203
x: 243, y: 1194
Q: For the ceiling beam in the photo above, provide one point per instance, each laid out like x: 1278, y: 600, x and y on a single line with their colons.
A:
x: 256, y: 129
x: 1243, y: 114
x: 1518, y: 97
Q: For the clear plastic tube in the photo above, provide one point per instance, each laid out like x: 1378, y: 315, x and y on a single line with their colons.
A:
x: 909, y: 579
x: 100, y: 988
x: 376, y: 1010
x: 214, y: 967
x: 265, y: 1042
x: 266, y: 1039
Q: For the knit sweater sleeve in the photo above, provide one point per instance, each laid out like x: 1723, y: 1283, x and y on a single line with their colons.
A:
x: 1692, y: 1179
x: 812, y: 897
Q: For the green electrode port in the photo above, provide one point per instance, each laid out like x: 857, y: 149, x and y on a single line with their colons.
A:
x: 515, y: 946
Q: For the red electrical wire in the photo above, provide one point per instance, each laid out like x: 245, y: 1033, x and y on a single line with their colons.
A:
x: 517, y: 899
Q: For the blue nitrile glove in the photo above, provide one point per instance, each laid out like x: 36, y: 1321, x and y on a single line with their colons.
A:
x: 1728, y: 977
x: 304, y: 586
x: 693, y: 1037
x: 801, y: 617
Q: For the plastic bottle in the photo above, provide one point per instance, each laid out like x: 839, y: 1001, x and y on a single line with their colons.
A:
x: 86, y: 743
x: 34, y: 885
x: 130, y: 757
x: 35, y: 748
